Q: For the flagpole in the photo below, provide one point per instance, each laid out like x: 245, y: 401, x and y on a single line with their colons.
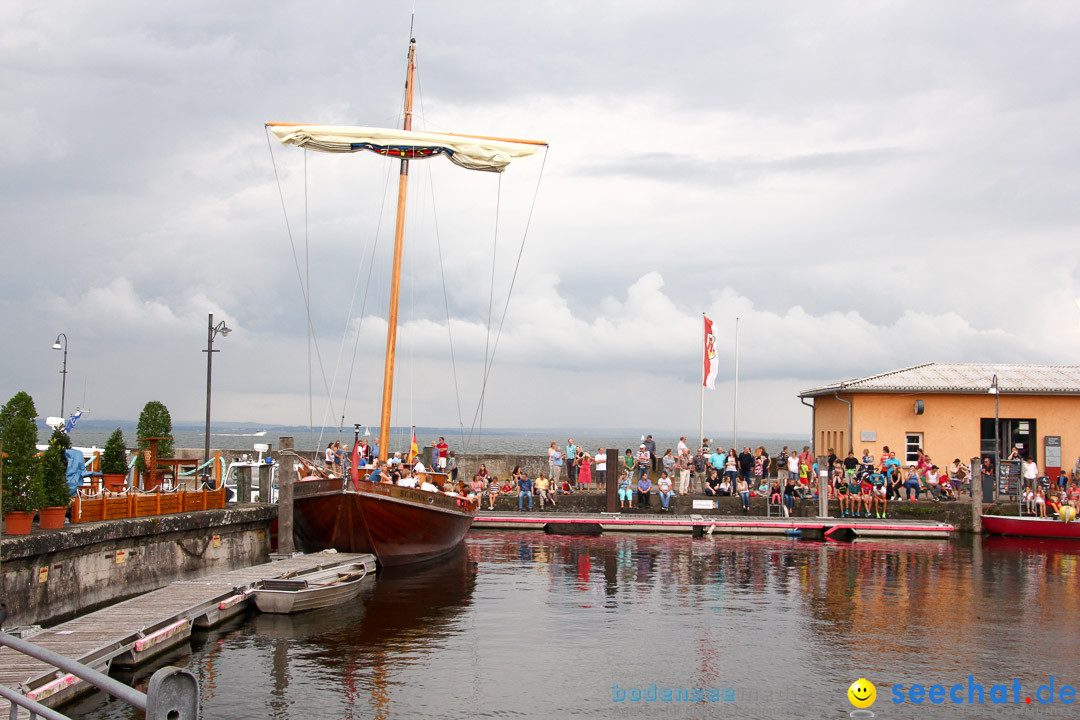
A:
x: 735, y: 422
x: 704, y: 349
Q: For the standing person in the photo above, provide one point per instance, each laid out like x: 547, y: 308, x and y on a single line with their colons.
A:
x: 682, y: 447
x: 717, y: 459
x: 628, y: 462
x: 682, y: 464
x: 793, y: 466
x: 782, y: 465
x: 643, y: 460
x: 668, y: 463
x: 585, y: 471
x: 452, y: 465
x: 571, y: 461
x: 601, y: 470
x: 651, y: 447
x: 700, y: 465
x: 766, y: 463
x: 442, y: 457
x: 329, y: 459
x: 556, y: 463
x: 851, y: 464
x: 759, y: 464
x: 746, y: 463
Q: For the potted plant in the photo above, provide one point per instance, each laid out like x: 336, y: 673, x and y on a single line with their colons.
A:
x: 114, y: 463
x: 55, y: 493
x: 21, y: 484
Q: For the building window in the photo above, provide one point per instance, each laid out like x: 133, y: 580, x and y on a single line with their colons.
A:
x: 912, y: 445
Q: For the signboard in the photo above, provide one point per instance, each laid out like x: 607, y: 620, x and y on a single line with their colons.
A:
x: 1052, y: 451
x: 1009, y: 478
x: 704, y: 504
x: 868, y: 435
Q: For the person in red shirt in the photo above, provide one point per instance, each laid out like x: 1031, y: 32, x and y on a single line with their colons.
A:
x: 443, y: 448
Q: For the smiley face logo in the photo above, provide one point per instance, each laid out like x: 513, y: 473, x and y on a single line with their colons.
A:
x: 862, y: 693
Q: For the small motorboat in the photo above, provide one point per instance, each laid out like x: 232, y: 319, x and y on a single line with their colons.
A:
x: 317, y: 588
x: 1031, y: 527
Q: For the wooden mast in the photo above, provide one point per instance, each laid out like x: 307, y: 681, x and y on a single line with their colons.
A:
x: 395, y: 286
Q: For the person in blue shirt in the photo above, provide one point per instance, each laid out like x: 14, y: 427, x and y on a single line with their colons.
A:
x: 644, y: 485
x: 525, y: 489
x: 717, y: 460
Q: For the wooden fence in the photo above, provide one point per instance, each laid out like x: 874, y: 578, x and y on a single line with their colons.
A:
x: 112, y: 506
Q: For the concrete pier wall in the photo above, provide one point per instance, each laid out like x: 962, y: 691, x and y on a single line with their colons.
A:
x: 49, y: 576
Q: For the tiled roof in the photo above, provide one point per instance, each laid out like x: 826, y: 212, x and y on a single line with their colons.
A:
x: 964, y: 378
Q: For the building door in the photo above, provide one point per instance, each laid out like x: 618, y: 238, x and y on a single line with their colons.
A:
x: 913, y: 442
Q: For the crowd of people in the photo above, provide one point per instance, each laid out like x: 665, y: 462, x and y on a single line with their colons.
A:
x: 863, y: 486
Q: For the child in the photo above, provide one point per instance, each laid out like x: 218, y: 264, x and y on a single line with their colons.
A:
x: 880, y: 490
x: 1029, y: 500
x: 843, y: 497
x: 1040, y: 503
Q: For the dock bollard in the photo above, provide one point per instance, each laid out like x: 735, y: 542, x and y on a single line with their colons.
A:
x: 173, y: 694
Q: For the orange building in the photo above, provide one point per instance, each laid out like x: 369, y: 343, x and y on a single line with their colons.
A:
x: 948, y: 410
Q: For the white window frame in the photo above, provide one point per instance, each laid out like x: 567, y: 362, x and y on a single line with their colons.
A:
x: 911, y: 455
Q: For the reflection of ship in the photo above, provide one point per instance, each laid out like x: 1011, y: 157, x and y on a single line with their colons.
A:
x: 398, y: 525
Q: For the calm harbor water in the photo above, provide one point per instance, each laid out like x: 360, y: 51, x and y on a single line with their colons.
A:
x: 529, y: 625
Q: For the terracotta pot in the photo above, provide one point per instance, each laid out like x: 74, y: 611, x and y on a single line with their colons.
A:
x: 18, y: 523
x: 114, y: 482
x: 51, y: 518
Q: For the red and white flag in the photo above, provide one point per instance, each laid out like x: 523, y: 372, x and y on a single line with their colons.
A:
x: 710, y: 365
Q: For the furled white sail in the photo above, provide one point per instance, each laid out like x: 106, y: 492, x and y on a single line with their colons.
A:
x: 469, y: 152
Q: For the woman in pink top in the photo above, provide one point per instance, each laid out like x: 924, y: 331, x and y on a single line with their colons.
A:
x: 585, y: 471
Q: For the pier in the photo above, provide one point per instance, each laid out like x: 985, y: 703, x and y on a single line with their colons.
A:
x: 136, y: 630
x: 699, y: 525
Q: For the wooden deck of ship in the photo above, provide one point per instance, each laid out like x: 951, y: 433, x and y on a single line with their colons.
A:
x: 133, y: 631
x: 828, y: 528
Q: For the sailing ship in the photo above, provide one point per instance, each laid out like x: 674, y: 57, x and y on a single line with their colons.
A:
x: 399, y: 525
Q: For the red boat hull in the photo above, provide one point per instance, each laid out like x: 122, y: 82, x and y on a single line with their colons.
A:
x: 398, y: 525
x: 1031, y: 527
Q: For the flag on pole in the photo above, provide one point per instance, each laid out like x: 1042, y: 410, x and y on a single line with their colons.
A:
x: 413, y: 450
x: 710, y: 364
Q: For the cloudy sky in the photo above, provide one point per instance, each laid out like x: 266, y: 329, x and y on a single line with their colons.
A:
x: 865, y: 185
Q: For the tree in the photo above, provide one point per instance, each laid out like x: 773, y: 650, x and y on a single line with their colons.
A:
x: 53, y: 471
x: 113, y: 457
x: 20, y: 405
x: 155, y: 421
x: 22, y: 486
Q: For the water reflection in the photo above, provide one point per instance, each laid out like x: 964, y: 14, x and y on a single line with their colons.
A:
x: 546, y: 626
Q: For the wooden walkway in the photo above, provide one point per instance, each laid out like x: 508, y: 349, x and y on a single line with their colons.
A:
x: 823, y: 528
x: 135, y: 630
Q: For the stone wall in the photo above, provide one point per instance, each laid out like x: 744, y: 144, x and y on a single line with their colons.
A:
x: 49, y: 576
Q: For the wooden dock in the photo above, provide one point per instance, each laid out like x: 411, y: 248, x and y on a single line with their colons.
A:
x: 817, y: 528
x: 136, y: 630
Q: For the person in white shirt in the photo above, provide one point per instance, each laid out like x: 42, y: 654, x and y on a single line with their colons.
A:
x: 681, y: 447
x: 601, y: 469
x: 419, y: 467
x: 428, y: 486
x: 408, y: 481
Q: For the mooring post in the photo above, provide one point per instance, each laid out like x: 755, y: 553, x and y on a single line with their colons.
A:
x: 611, y: 483
x: 823, y: 488
x: 976, y: 498
x: 286, y: 476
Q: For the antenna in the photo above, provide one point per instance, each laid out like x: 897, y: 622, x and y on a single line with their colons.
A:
x: 412, y: 22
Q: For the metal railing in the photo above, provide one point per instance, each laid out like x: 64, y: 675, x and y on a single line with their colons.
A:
x: 173, y: 694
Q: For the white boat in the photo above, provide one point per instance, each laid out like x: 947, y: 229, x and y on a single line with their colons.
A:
x: 255, y: 466
x: 321, y: 587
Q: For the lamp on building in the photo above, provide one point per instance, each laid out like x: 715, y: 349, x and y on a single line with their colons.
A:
x: 994, y: 390
x: 211, y: 331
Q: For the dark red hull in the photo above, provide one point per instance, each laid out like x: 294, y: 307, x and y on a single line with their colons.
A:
x: 398, y: 525
x: 1031, y: 527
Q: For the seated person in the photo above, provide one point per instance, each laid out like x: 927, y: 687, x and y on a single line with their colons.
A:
x: 725, y: 488
x: 428, y: 486
x: 644, y: 487
x: 664, y: 486
x: 408, y: 481
x: 713, y: 484
x: 625, y: 494
x: 565, y: 488
x: 763, y: 488
x: 505, y: 487
x: 843, y: 497
x: 492, y: 491
x: 947, y: 489
x: 1053, y: 500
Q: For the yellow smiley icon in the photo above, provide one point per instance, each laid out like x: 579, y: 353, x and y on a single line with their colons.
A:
x: 862, y: 693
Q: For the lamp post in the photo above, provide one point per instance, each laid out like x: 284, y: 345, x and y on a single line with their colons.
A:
x: 63, y: 372
x: 997, y: 436
x: 211, y: 331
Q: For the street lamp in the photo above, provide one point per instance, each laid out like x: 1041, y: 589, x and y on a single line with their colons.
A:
x: 63, y: 373
x: 211, y: 331
x: 997, y: 435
